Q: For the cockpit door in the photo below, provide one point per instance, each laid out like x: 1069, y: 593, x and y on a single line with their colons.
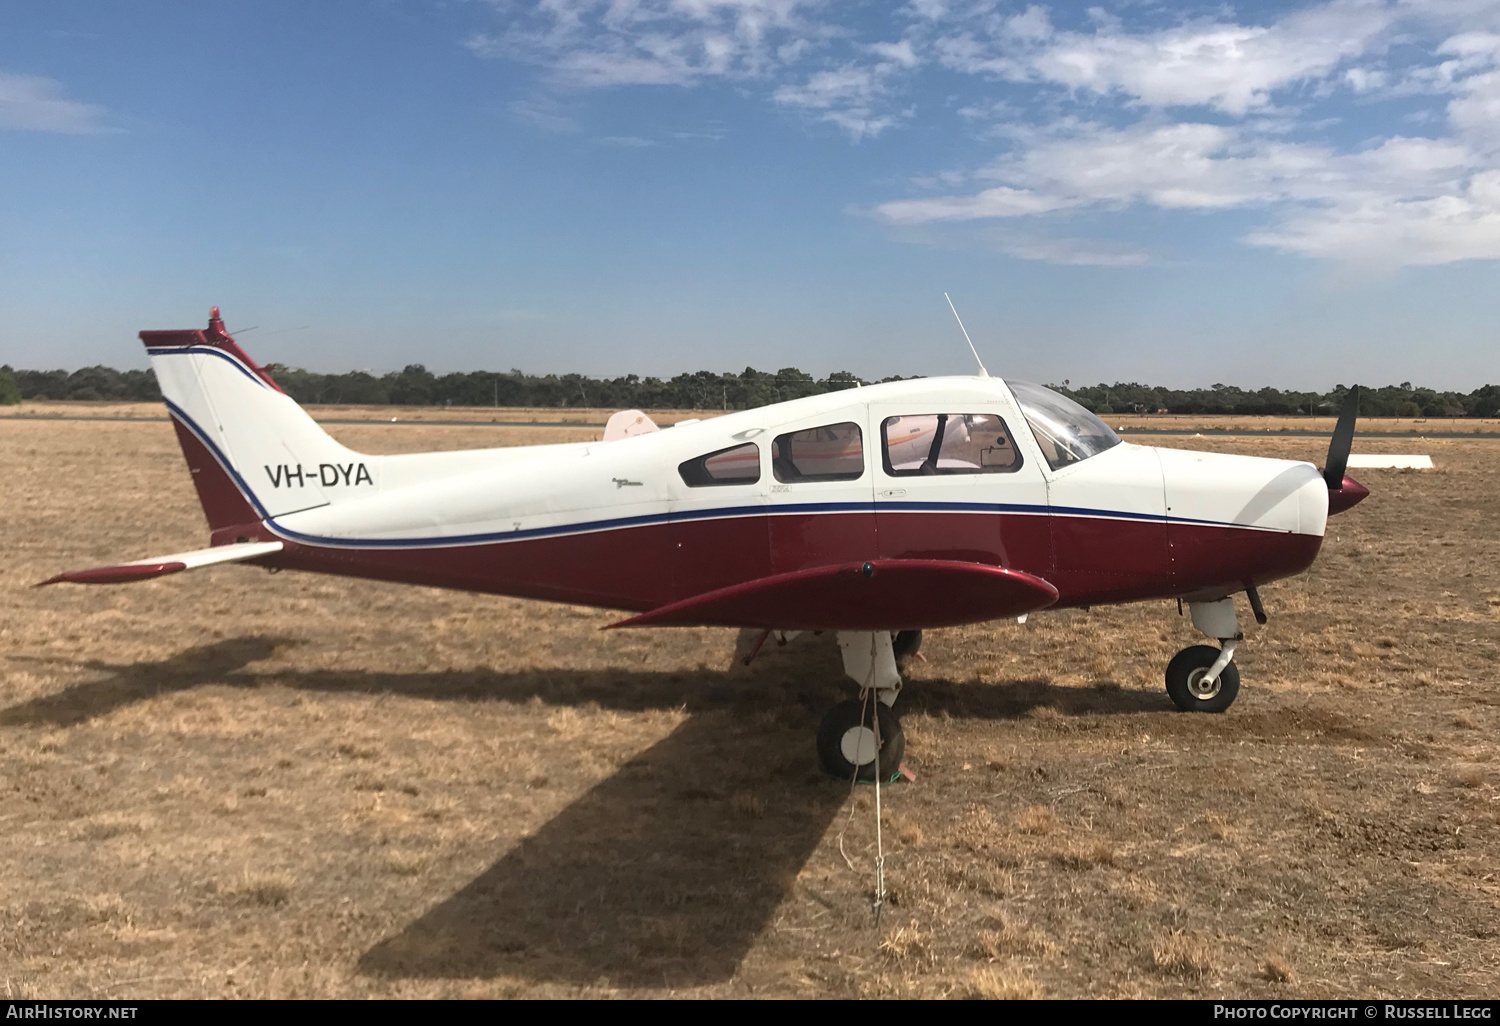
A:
x: 953, y: 482
x: 719, y: 534
x: 821, y: 501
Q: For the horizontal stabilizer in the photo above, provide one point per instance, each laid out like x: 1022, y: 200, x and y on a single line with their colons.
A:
x: 160, y: 566
x: 887, y: 594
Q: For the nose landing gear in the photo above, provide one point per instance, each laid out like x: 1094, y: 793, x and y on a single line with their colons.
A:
x: 1192, y: 687
x: 1202, y: 678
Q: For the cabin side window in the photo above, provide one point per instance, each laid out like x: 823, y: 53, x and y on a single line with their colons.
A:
x: 739, y: 464
x: 834, y: 452
x: 948, y: 443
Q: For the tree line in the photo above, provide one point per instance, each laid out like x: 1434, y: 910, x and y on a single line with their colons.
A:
x: 415, y: 385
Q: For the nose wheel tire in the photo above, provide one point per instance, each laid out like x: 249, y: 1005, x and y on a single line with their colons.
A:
x: 1186, y: 686
x: 846, y: 739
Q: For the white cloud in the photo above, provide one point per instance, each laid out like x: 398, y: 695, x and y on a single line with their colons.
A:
x: 860, y: 124
x: 37, y: 104
x: 929, y: 10
x: 897, y: 53
x: 1393, y: 200
x: 1099, y: 111
x: 1473, y: 79
x: 662, y: 63
x: 849, y: 84
x: 1032, y: 24
x: 596, y: 44
x: 1364, y: 80
x: 1407, y: 200
x: 848, y: 96
x: 600, y: 43
x: 1001, y: 201
x: 1170, y: 166
x: 1074, y: 252
x: 544, y: 113
x: 1391, y: 231
x: 713, y: 131
x: 1225, y: 65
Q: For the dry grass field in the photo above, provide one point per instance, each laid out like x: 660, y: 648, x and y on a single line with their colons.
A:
x: 230, y: 783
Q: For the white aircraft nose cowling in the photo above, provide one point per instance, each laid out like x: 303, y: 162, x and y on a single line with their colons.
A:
x: 1244, y: 491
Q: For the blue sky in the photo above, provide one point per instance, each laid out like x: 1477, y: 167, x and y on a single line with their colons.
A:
x: 1288, y: 194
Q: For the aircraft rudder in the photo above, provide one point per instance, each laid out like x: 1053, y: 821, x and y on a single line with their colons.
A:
x: 254, y: 452
x: 214, y: 337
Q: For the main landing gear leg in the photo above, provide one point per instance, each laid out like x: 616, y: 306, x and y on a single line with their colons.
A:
x: 847, y: 738
x: 1202, y: 678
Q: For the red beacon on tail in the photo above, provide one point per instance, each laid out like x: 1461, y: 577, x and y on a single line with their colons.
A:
x: 876, y: 512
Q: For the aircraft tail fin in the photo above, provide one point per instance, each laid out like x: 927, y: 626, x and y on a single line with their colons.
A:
x: 253, y: 452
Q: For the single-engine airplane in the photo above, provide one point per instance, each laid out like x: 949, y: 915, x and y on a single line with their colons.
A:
x: 875, y: 512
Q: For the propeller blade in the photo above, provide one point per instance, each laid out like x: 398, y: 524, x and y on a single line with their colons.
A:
x: 1343, y: 440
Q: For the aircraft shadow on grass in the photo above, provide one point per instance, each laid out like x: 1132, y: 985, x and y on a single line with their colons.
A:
x: 662, y: 875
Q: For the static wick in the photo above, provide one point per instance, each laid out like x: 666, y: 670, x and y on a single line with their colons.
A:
x: 982, y: 372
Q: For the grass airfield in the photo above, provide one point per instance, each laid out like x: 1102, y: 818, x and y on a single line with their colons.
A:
x: 231, y: 783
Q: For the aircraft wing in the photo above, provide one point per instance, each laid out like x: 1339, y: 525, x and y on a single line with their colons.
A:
x: 159, y: 566
x: 886, y: 594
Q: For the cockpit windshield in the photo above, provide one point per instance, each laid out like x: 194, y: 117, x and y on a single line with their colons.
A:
x: 1066, y: 431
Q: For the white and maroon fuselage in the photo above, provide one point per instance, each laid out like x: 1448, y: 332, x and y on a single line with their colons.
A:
x: 619, y: 524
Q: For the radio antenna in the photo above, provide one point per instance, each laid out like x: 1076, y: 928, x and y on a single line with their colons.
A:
x: 982, y: 372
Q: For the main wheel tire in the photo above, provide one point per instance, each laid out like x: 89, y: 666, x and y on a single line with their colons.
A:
x: 847, y: 736
x: 906, y: 643
x: 1185, y: 674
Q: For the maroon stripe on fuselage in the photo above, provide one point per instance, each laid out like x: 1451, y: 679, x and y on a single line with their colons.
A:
x: 800, y: 541
x: 630, y: 568
x: 1221, y: 560
x: 1010, y: 540
x: 643, y: 567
